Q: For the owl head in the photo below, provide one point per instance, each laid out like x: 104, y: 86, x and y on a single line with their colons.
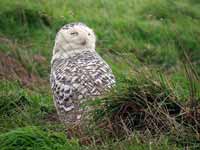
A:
x: 74, y: 36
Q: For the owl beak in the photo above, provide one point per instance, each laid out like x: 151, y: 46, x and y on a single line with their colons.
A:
x: 84, y: 42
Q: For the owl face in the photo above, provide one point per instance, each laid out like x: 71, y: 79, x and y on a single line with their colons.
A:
x: 75, y: 36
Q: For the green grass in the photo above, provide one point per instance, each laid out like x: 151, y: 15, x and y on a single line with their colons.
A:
x: 21, y: 107
x: 132, y: 35
x: 35, y: 138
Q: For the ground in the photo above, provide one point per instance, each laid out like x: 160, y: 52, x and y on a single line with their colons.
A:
x: 152, y: 47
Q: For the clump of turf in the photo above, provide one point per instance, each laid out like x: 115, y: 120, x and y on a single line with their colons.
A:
x: 141, y: 104
x: 35, y: 138
x: 148, y: 104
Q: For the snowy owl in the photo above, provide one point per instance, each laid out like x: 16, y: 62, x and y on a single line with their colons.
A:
x: 78, y: 73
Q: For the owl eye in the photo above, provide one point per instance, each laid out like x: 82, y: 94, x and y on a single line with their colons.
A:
x: 74, y: 33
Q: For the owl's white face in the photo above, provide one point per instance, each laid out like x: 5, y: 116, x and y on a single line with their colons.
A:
x: 74, y: 36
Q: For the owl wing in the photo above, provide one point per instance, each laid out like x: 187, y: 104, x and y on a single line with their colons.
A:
x: 79, y: 77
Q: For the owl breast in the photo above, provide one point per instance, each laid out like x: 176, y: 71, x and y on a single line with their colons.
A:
x: 79, y: 77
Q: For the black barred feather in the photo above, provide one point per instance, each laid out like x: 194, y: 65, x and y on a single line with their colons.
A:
x: 79, y: 77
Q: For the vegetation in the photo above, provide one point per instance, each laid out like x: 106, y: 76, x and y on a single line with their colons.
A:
x: 153, y: 49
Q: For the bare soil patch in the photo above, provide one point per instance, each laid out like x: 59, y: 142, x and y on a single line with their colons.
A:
x: 11, y: 69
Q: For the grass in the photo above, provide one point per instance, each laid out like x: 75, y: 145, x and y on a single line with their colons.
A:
x: 35, y: 138
x: 152, y: 47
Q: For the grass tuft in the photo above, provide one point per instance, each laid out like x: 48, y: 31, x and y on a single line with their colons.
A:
x: 35, y: 138
x: 149, y: 105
